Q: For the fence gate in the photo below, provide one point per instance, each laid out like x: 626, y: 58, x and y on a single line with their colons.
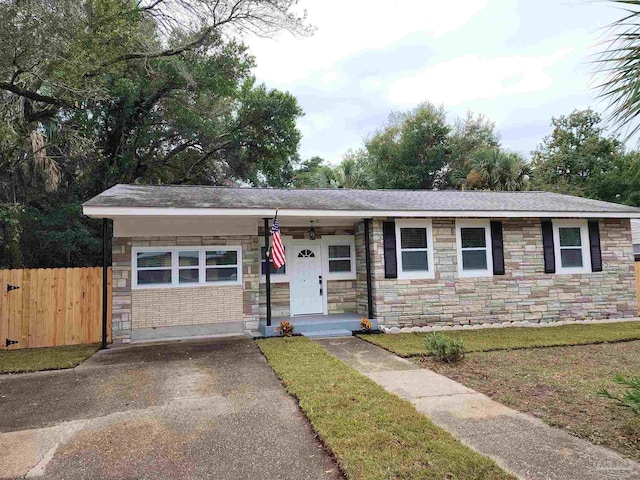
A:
x: 51, y: 307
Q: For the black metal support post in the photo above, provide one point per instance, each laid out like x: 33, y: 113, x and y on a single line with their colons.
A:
x: 105, y: 278
x: 367, y: 255
x: 267, y: 272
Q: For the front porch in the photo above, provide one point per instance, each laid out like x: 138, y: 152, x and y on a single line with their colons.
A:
x: 334, y: 325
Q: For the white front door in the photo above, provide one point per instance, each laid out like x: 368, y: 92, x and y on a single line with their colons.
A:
x: 306, y: 280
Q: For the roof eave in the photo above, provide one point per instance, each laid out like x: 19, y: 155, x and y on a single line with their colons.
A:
x: 115, y: 212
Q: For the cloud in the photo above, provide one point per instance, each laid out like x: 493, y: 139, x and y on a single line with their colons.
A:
x: 345, y: 28
x: 516, y: 61
x: 473, y: 77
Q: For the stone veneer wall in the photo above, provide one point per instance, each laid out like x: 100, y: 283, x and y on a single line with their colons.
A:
x: 280, y: 306
x: 341, y: 296
x: 525, y: 292
x: 144, y: 308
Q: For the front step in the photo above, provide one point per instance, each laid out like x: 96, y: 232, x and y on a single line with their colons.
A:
x: 307, y: 326
x: 327, y: 333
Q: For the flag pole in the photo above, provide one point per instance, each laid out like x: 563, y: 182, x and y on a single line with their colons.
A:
x: 267, y: 272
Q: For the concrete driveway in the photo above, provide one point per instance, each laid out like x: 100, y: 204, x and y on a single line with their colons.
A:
x: 189, y: 410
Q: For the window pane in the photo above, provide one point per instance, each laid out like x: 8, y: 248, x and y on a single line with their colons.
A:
x: 413, y: 238
x: 222, y: 274
x: 474, y: 260
x: 339, y: 265
x: 189, y: 259
x: 339, y: 251
x: 188, y: 275
x: 473, y: 237
x: 149, y: 277
x: 571, y: 257
x: 280, y: 271
x: 570, y: 237
x: 154, y: 259
x: 222, y: 257
x: 412, y: 261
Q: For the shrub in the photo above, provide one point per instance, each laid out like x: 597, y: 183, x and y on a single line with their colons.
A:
x: 285, y: 328
x: 443, y: 348
x: 365, y: 324
x: 631, y: 398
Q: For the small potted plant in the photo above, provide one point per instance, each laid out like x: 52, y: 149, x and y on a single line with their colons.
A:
x: 366, y: 325
x: 285, y: 329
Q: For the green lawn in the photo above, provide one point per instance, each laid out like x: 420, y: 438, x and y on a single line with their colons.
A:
x: 413, y: 344
x: 53, y: 358
x: 372, y: 433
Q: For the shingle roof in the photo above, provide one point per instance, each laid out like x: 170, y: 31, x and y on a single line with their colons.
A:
x: 131, y: 196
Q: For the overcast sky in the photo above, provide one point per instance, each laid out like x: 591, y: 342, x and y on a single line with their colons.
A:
x: 518, y: 62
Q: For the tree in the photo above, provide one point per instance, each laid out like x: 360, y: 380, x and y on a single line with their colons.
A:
x: 105, y: 91
x: 576, y: 150
x: 468, y: 135
x: 495, y: 169
x: 411, y: 150
x: 303, y: 176
x: 618, y: 66
x: 352, y: 172
x: 620, y: 182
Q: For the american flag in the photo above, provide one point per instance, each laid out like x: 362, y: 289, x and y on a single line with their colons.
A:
x: 277, y: 249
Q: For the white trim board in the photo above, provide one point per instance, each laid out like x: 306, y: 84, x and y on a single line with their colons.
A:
x: 115, y: 212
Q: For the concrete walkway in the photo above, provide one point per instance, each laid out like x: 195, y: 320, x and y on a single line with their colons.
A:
x: 521, y: 444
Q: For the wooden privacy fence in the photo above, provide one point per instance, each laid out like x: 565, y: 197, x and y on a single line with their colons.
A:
x: 47, y: 307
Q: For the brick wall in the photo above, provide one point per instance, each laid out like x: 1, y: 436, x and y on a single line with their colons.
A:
x: 208, y: 305
x: 525, y: 292
x: 144, y: 308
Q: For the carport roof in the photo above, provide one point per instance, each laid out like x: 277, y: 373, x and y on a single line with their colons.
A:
x: 122, y: 198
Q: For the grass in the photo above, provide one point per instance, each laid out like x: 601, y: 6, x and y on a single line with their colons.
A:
x: 372, y: 433
x: 559, y: 385
x: 51, y: 358
x: 413, y: 344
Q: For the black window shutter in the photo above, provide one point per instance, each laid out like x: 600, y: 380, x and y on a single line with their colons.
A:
x: 389, y: 242
x: 497, y: 248
x: 594, y: 246
x: 547, y: 244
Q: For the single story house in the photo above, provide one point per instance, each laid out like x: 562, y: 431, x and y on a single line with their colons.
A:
x: 190, y: 260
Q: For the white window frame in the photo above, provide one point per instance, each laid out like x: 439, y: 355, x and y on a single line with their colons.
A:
x: 329, y: 240
x: 583, y: 225
x: 415, y: 223
x: 479, y: 223
x: 175, y: 268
